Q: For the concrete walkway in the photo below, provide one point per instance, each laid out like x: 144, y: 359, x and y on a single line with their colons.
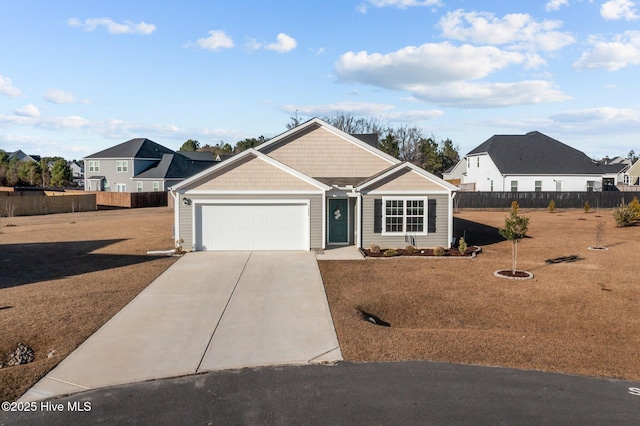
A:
x: 340, y: 253
x: 208, y: 311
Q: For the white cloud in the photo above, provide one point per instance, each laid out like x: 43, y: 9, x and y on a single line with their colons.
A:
x: 608, y: 115
x: 283, y: 44
x: 7, y: 88
x: 58, y: 96
x: 516, y: 31
x: 619, y: 9
x: 28, y: 110
x: 128, y: 27
x: 445, y: 74
x: 556, y: 4
x: 363, y: 109
x: 400, y: 4
x: 217, y: 40
x: 622, y: 51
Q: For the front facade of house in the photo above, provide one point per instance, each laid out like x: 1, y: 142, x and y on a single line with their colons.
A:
x: 311, y: 188
x: 534, y: 162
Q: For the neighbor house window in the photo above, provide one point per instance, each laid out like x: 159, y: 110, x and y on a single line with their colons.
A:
x: 122, y: 166
x: 121, y: 187
x: 478, y: 162
x: 405, y: 215
x: 514, y: 186
x: 468, y: 163
x: 156, y: 186
x: 139, y: 186
x: 538, y: 185
x: 94, y: 166
x: 590, y: 185
x: 626, y: 179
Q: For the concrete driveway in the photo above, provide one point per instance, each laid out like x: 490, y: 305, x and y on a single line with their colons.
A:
x: 208, y: 311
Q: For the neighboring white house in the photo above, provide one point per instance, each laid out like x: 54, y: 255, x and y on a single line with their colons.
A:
x: 533, y: 162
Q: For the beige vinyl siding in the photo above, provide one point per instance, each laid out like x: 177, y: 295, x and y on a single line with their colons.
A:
x: 315, y: 210
x: 439, y: 238
x: 405, y: 180
x: 320, y: 153
x: 253, y: 174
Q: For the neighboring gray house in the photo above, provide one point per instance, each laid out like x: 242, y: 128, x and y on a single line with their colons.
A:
x: 532, y: 162
x: 139, y: 165
x: 312, y: 187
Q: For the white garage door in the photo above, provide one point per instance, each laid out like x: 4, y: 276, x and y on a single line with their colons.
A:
x: 252, y: 225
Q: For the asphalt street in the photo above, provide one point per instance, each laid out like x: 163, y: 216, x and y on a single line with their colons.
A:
x: 351, y: 393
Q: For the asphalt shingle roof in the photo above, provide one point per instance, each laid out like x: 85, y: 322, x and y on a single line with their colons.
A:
x: 134, y: 148
x: 174, y: 166
x: 537, y: 154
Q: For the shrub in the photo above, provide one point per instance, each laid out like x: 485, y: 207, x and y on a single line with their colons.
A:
x: 438, y: 251
x: 634, y: 205
x: 462, y: 245
x: 515, y: 229
x: 623, y: 215
x: 552, y: 206
x: 599, y: 234
x: 587, y: 207
x: 374, y: 248
x: 410, y: 249
x: 390, y: 253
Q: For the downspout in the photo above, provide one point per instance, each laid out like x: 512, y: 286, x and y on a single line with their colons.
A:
x: 176, y: 215
x: 450, y: 236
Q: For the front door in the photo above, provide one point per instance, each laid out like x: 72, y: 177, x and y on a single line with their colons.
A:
x: 338, y: 221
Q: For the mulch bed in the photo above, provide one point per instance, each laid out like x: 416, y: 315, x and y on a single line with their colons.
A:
x: 424, y: 252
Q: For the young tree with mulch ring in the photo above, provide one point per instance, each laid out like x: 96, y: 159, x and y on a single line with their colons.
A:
x: 515, y: 229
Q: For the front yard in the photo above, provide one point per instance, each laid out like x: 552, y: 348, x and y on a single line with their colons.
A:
x: 63, y: 276
x: 578, y: 315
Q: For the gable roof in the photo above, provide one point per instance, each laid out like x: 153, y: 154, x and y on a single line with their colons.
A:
x: 410, y: 167
x: 316, y: 122
x: 230, y: 163
x: 174, y: 166
x: 134, y: 148
x: 536, y: 153
x: 21, y: 156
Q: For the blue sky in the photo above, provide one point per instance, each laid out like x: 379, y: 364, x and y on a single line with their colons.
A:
x: 79, y: 76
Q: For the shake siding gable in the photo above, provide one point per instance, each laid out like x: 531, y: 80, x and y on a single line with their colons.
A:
x: 406, y: 180
x: 253, y: 174
x: 318, y: 152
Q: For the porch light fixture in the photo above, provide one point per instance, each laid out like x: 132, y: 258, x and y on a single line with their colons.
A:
x: 186, y: 201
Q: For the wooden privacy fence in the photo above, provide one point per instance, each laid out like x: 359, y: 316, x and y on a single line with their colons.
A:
x: 132, y: 200
x: 36, y: 203
x: 539, y: 200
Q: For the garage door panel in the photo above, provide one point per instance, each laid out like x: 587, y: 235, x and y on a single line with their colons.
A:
x: 252, y: 226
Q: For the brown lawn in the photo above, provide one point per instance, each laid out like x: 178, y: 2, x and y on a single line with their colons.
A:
x: 63, y: 276
x: 579, y: 317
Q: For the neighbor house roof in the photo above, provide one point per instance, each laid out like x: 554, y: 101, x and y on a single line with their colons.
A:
x: 535, y: 154
x: 21, y: 156
x: 174, y: 166
x: 134, y: 148
x: 198, y: 155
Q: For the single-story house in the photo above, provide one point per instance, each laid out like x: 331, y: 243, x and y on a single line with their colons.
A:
x: 532, y: 162
x: 312, y: 187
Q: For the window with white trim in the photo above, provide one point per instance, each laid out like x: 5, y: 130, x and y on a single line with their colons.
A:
x: 139, y: 186
x: 514, y: 186
x: 404, y: 215
x: 122, y: 166
x: 94, y: 166
x: 156, y: 186
x: 538, y: 186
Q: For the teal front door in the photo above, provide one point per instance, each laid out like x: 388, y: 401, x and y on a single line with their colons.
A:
x: 338, y: 221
